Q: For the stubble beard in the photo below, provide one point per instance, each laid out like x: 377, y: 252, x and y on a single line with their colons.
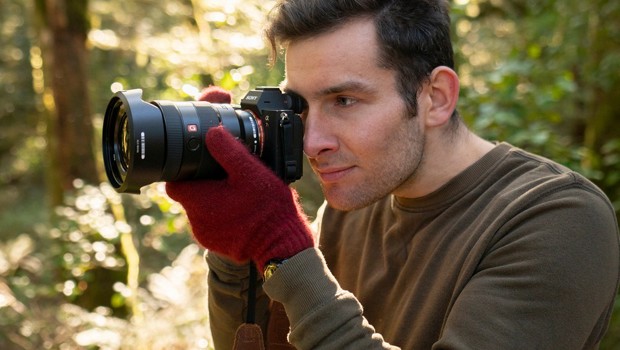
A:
x: 403, y: 175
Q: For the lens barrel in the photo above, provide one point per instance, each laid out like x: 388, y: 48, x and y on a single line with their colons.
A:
x: 146, y: 142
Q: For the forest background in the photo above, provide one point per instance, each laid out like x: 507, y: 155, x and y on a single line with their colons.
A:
x: 84, y: 267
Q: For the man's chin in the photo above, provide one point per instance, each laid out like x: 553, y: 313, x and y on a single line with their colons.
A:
x: 344, y: 202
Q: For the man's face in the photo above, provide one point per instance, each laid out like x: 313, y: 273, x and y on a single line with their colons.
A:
x: 359, y: 140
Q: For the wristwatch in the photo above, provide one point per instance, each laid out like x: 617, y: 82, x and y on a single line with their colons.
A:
x: 271, y: 267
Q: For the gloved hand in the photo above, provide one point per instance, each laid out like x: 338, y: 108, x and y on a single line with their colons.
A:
x: 249, y: 215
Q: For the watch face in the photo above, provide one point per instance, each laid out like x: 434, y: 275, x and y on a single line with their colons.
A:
x: 271, y: 268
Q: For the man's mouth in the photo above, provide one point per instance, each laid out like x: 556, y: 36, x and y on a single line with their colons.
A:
x: 333, y: 174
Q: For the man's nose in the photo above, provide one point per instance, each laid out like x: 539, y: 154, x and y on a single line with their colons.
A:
x: 319, y: 135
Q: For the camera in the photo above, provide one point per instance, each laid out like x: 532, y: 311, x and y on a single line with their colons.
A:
x: 146, y: 142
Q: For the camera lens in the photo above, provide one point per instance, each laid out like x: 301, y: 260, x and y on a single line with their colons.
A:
x: 145, y: 142
x: 123, y: 153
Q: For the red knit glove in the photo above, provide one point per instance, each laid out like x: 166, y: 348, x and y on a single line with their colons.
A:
x: 249, y: 215
x: 215, y: 94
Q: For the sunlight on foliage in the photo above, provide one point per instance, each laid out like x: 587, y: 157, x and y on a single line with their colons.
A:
x: 173, y: 303
x: 206, y: 41
x: 85, y: 242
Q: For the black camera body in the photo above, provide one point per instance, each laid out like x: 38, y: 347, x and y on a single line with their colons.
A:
x: 146, y: 142
x: 279, y: 114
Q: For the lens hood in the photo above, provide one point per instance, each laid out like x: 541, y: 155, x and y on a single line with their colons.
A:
x: 134, y: 141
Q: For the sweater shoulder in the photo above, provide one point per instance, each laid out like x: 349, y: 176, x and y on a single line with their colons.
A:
x: 525, y: 175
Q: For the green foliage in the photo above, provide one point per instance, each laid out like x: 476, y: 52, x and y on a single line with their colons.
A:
x: 543, y: 76
x: 172, y: 315
x: 178, y: 48
x: 53, y: 290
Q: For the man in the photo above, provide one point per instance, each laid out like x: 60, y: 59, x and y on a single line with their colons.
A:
x: 431, y: 237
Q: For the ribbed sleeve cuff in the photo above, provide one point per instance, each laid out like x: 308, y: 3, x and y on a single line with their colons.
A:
x: 305, y: 282
x: 227, y: 270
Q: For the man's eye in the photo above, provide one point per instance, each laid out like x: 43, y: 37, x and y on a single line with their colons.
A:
x: 345, y: 101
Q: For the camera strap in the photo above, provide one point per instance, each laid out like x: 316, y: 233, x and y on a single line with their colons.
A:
x: 251, y: 312
x: 249, y: 335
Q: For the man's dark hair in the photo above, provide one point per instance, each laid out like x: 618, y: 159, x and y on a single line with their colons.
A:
x: 413, y: 35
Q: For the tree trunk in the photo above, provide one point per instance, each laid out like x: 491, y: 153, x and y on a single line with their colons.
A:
x: 70, y: 128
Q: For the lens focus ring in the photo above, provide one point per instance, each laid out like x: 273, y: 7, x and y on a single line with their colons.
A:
x: 174, y: 140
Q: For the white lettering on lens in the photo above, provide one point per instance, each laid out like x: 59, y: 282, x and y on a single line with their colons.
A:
x: 143, y: 144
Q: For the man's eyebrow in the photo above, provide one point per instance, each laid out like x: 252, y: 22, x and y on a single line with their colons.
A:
x: 351, y: 85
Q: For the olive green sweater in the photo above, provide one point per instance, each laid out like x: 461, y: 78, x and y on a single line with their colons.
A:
x: 516, y: 252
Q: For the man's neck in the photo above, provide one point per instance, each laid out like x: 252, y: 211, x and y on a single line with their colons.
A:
x: 443, y: 160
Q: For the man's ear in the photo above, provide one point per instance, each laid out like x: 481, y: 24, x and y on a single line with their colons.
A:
x: 444, y: 93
